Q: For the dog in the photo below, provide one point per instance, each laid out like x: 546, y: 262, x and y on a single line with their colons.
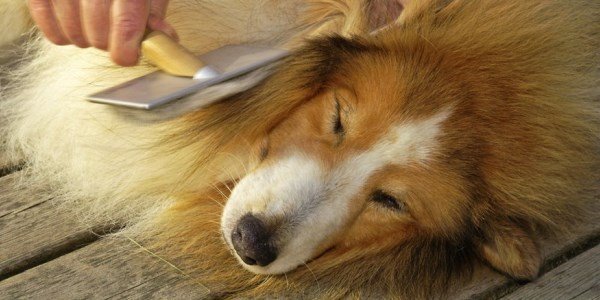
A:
x: 399, y: 146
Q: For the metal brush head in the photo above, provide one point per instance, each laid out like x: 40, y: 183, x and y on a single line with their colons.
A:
x: 159, y: 88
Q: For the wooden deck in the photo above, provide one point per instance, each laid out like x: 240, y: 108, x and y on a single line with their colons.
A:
x: 47, y: 255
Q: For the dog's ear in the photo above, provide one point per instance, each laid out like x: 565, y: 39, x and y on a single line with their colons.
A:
x: 510, y: 249
x: 352, y: 17
x: 383, y: 12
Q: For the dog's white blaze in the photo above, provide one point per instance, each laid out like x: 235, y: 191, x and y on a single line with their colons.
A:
x: 412, y: 142
x: 299, y: 188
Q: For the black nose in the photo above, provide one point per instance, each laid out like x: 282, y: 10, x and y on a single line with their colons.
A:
x: 250, y: 240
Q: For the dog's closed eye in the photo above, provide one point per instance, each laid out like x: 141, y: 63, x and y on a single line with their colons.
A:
x: 387, y: 200
x: 338, y: 126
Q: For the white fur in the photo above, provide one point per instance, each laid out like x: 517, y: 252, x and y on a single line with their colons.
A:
x: 95, y: 153
x: 412, y: 142
x: 318, y: 200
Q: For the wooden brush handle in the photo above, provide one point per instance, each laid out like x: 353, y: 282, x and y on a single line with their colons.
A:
x: 170, y: 56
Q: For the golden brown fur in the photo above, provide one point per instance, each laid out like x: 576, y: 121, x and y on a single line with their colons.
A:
x: 520, y: 152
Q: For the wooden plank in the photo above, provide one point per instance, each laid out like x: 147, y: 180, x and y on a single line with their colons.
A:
x: 167, y: 286
x: 32, y: 231
x: 112, y: 267
x: 11, y: 197
x: 35, y: 237
x: 16, y: 197
x: 567, y: 281
x: 115, y: 268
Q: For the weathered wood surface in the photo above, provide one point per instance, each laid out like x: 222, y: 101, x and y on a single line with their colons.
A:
x: 12, y: 199
x: 166, y: 286
x: 32, y: 231
x: 44, y: 254
x: 113, y: 267
x: 579, y: 277
x: 118, y: 268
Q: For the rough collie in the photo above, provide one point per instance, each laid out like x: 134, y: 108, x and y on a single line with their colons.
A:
x: 401, y: 144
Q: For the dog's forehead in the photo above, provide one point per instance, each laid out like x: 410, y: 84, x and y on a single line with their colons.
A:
x: 379, y: 118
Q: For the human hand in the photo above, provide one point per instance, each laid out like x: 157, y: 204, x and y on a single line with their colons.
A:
x: 117, y: 26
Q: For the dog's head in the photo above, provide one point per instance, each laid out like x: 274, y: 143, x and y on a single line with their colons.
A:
x: 382, y: 154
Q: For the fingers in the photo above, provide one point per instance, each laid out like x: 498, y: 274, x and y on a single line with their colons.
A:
x: 67, y: 12
x: 129, y: 19
x: 114, y: 25
x: 156, y: 21
x: 42, y: 13
x: 59, y: 20
x: 158, y: 8
x: 95, y: 16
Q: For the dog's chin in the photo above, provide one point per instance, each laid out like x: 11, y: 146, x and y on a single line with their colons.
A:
x: 279, y: 266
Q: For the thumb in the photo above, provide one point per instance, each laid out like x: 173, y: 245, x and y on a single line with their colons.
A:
x: 158, y: 8
x: 156, y: 20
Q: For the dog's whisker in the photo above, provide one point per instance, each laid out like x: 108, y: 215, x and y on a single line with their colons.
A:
x: 313, y: 274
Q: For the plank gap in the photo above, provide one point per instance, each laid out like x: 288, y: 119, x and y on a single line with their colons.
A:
x: 575, y: 296
x: 571, y: 252
x: 592, y: 293
x: 22, y: 209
